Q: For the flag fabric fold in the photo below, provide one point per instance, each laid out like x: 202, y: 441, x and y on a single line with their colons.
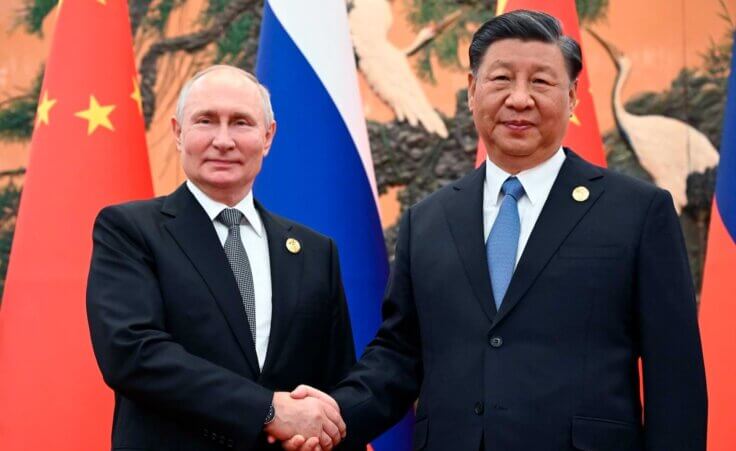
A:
x: 88, y: 150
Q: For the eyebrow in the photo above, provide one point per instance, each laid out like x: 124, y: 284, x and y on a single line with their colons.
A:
x: 209, y: 112
x: 507, y: 65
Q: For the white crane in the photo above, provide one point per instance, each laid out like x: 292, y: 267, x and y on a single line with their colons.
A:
x: 667, y: 148
x: 387, y: 69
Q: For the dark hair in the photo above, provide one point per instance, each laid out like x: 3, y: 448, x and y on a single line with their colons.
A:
x: 527, y: 26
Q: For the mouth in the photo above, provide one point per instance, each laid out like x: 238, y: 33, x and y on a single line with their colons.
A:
x: 222, y: 162
x: 518, y: 125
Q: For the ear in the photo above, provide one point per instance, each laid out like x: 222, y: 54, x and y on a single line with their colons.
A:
x: 573, y: 95
x: 176, y: 129
x: 270, y: 133
x: 471, y: 90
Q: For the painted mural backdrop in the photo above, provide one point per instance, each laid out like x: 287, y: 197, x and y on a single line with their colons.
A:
x: 658, y: 73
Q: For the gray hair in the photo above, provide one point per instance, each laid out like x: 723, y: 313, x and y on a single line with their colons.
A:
x: 262, y: 90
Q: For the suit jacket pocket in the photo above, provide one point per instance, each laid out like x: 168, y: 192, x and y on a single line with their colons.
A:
x: 420, y: 433
x: 591, y: 251
x: 600, y: 434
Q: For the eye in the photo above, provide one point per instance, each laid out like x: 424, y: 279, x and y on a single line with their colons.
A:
x: 499, y: 78
x: 540, y: 81
x: 203, y: 120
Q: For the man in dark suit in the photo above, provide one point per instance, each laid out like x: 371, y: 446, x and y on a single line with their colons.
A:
x: 523, y: 295
x: 204, y: 308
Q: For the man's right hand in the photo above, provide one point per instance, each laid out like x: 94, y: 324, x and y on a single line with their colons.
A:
x: 311, y: 418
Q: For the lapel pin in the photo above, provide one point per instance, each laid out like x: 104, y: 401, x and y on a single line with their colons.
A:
x: 293, y: 246
x: 580, y: 193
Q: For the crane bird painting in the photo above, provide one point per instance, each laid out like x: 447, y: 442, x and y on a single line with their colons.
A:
x: 668, y: 149
x: 386, y: 67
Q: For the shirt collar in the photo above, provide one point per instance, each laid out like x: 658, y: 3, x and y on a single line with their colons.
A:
x: 213, y: 208
x: 537, y: 181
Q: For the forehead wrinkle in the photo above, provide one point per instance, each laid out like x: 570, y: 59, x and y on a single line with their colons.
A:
x: 198, y: 94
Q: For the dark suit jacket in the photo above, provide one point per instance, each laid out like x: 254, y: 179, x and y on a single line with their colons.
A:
x: 171, y: 336
x: 599, y: 284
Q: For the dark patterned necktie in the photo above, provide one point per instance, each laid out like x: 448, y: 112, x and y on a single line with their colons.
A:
x: 240, y: 264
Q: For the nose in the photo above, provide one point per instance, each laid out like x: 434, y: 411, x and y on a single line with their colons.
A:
x: 519, y: 98
x: 223, y: 141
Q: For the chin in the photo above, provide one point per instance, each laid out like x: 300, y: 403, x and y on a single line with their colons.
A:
x: 518, y: 151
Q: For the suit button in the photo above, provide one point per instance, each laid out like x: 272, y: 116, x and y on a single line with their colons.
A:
x: 496, y: 342
x: 478, y: 409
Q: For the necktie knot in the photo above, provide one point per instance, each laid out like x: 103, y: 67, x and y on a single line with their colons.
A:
x: 512, y: 187
x: 230, y: 217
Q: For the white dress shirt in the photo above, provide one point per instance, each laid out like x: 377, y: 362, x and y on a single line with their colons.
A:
x: 537, y: 183
x: 255, y: 241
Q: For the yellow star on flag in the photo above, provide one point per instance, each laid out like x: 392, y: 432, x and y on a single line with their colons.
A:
x: 42, y: 112
x: 574, y: 119
x: 97, y: 115
x: 136, y: 95
x: 102, y: 2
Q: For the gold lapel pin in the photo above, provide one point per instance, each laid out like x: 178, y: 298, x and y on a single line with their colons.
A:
x: 293, y: 246
x: 580, y: 193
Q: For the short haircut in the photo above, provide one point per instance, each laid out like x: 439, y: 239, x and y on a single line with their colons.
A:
x: 526, y: 26
x: 262, y: 90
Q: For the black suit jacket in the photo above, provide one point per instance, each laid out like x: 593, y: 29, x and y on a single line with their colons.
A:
x: 171, y: 336
x: 600, y: 283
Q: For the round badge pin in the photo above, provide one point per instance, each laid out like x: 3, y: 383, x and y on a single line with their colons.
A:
x: 293, y: 246
x: 580, y: 194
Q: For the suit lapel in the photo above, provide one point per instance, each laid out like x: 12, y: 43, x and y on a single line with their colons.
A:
x: 464, y: 212
x: 559, y: 216
x: 286, y: 272
x: 194, y: 233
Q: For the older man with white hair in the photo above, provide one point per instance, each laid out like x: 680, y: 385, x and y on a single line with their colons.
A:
x: 204, y: 308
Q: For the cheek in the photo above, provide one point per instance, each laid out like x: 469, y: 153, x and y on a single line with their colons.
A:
x: 195, y: 142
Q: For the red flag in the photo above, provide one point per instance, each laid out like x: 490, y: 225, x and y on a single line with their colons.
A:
x: 582, y: 135
x: 88, y: 150
x: 718, y: 299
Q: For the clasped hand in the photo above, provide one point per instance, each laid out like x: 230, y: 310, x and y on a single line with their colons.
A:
x: 306, y: 420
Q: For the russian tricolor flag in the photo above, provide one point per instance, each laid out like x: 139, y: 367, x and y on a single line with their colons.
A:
x: 718, y: 299
x: 319, y: 170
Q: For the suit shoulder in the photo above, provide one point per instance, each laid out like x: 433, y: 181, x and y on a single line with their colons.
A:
x: 303, y: 231
x: 133, y: 214
x: 631, y: 186
x: 135, y: 207
x: 440, y: 195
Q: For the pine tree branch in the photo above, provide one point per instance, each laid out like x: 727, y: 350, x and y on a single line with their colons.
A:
x: 189, y: 43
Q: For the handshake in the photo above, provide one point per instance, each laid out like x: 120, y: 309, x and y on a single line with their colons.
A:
x: 305, y: 420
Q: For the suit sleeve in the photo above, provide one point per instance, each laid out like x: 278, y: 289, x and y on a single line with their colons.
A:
x: 675, y: 399
x: 341, y: 347
x: 139, y: 359
x: 382, y: 386
x: 341, y: 355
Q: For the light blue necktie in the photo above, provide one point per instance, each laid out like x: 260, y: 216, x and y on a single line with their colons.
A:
x: 503, y: 240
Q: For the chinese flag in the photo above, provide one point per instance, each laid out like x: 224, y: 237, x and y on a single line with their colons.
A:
x: 718, y: 299
x: 583, y: 135
x: 88, y: 150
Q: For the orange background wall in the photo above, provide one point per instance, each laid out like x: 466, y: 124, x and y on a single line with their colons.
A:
x: 659, y: 36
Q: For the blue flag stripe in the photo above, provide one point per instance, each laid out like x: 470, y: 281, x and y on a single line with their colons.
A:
x: 313, y: 174
x: 726, y: 181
